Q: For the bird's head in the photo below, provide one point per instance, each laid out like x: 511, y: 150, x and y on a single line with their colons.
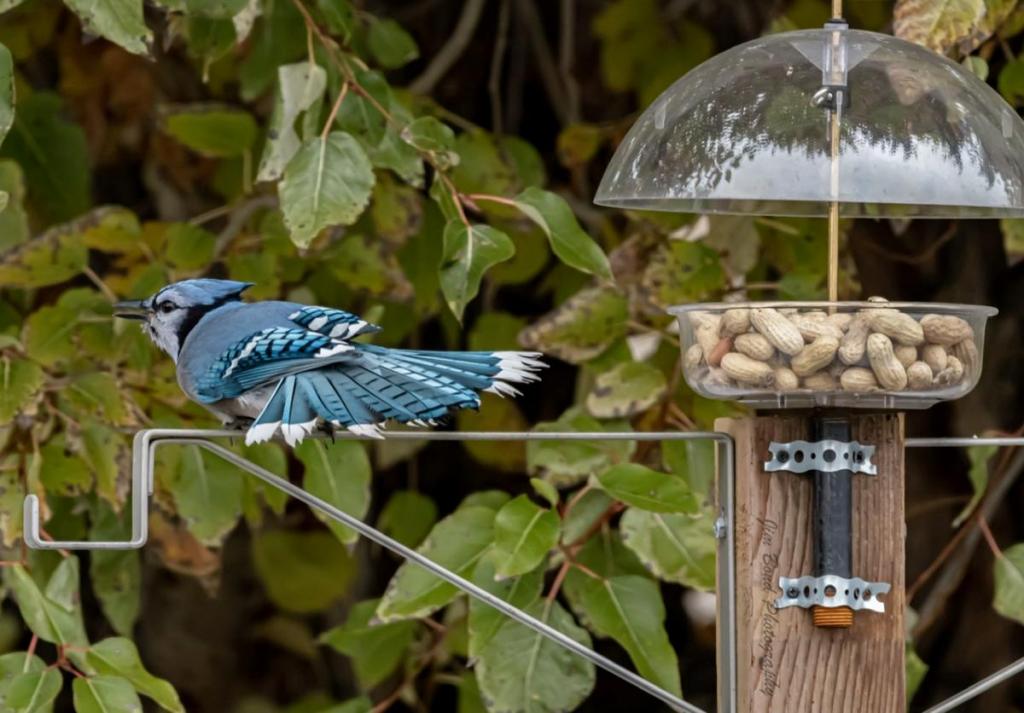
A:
x: 171, y: 313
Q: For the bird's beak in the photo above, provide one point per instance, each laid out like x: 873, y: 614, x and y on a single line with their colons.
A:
x: 132, y: 309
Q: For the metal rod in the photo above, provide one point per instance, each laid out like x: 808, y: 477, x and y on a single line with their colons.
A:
x: 980, y: 687
x: 833, y: 507
x: 961, y: 442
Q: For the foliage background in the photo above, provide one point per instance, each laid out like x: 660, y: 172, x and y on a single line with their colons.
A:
x: 182, y: 138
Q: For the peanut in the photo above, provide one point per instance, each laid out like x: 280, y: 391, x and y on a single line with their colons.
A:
x: 755, y: 346
x: 815, y: 356
x: 747, y: 370
x: 723, y: 347
x: 785, y: 379
x: 934, y: 355
x: 735, y: 321
x: 840, y: 319
x: 906, y: 355
x: 853, y: 343
x: 857, y: 378
x: 694, y: 356
x: 707, y: 337
x: 891, y: 375
x: 952, y: 374
x: 821, y: 381
x: 811, y: 328
x: 778, y: 330
x: 700, y: 317
x: 967, y: 352
x: 902, y: 328
x: 919, y: 375
x: 945, y: 329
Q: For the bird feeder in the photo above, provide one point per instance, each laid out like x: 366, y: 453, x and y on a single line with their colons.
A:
x: 832, y: 123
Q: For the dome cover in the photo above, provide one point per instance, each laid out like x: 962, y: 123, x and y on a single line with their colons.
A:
x: 920, y: 136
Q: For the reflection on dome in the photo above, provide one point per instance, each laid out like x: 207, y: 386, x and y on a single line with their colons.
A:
x: 921, y: 136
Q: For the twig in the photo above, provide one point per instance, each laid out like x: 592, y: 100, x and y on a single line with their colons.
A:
x: 98, y: 281
x: 452, y: 49
x: 923, y: 256
x: 953, y: 573
x: 334, y: 111
x: 566, y: 52
x: 556, y: 586
x: 992, y: 544
x: 497, y: 64
x: 240, y: 214
x: 545, y: 61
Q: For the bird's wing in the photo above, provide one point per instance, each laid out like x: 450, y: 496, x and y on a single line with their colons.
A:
x: 264, y: 356
x: 334, y: 323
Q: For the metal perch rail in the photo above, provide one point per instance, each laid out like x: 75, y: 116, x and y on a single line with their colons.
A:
x: 143, y: 457
x: 146, y: 442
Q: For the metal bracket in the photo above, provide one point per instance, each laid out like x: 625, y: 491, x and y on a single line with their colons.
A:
x: 831, y: 591
x: 822, y: 456
x: 143, y: 459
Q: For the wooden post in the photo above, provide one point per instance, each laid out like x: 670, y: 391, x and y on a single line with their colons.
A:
x: 784, y: 663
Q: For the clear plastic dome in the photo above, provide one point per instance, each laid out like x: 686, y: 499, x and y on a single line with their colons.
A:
x: 920, y: 136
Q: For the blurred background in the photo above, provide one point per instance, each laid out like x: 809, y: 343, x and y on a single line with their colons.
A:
x: 131, y: 166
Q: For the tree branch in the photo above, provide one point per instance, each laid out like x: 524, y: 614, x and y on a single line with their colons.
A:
x: 545, y: 61
x: 452, y: 49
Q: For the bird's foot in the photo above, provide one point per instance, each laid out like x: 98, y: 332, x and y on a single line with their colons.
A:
x: 238, y: 423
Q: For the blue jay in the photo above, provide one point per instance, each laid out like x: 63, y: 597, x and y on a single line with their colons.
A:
x: 282, y: 366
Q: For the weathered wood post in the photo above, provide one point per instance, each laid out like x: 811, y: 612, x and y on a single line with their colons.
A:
x: 785, y: 663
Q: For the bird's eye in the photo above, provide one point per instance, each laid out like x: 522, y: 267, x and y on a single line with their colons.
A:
x: 166, y: 307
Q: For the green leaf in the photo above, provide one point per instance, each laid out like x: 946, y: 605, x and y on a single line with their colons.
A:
x: 119, y: 657
x: 207, y: 492
x: 13, y: 220
x: 339, y: 473
x: 339, y: 17
x: 20, y: 381
x: 390, y: 44
x: 54, y: 155
x: 105, y: 694
x: 627, y: 389
x: 299, y: 87
x: 48, y: 335
x: 61, y: 471
x: 431, y: 136
x: 457, y: 542
x: 408, y: 517
x: 469, y: 251
x: 978, y: 474
x: 120, y: 21
x: 189, y: 247
x: 215, y: 8
x: 1009, y: 583
x: 629, y: 609
x: 375, y: 649
x: 279, y: 37
x: 916, y: 670
x: 693, y: 461
x: 641, y: 487
x: 546, y: 490
x: 45, y: 613
x: 6, y: 92
x: 1013, y: 235
x: 215, y: 131
x: 14, y: 668
x: 584, y: 515
x: 116, y: 575
x: 674, y: 547
x: 1011, y: 82
x: 328, y: 182
x: 582, y: 327
x: 485, y: 620
x: 361, y: 118
x: 568, y: 241
x: 33, y: 691
x: 565, y: 463
x: 523, y: 535
x: 303, y: 572
x: 519, y: 670
x: 683, y: 271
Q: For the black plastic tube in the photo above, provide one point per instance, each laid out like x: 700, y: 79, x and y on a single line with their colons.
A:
x: 833, y: 506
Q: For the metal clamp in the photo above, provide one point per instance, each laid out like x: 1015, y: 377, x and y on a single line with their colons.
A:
x: 823, y: 456
x: 831, y: 591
